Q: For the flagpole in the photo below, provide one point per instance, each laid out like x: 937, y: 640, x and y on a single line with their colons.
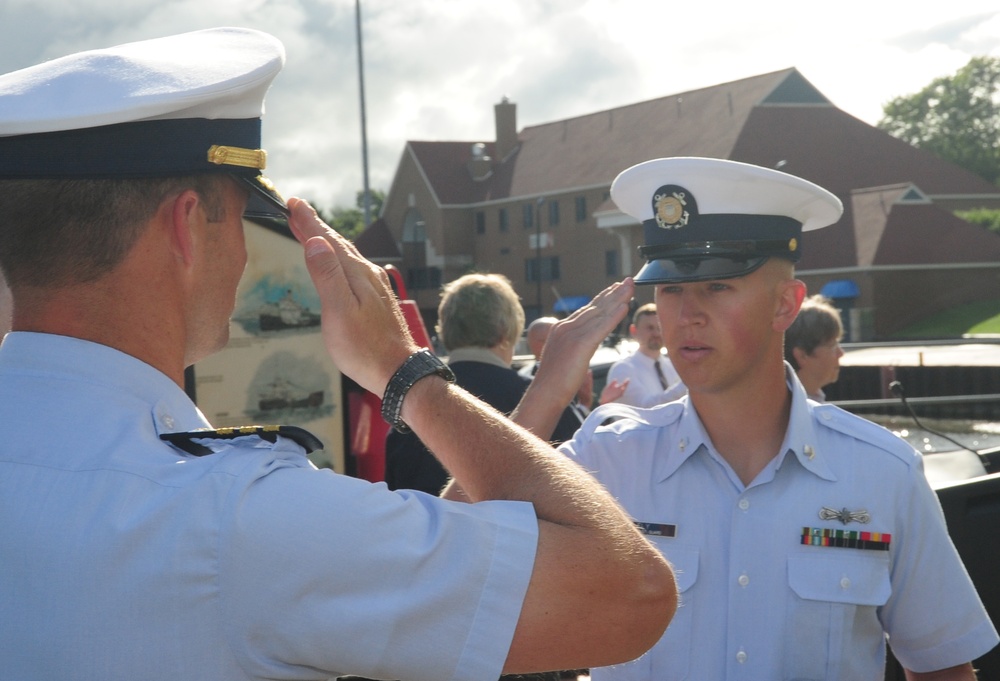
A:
x: 364, y: 128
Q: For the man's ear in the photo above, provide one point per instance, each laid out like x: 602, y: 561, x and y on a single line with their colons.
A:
x: 184, y: 212
x: 790, y: 296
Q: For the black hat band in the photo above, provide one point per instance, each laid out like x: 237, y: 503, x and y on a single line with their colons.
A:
x: 156, y: 148
x: 737, y: 250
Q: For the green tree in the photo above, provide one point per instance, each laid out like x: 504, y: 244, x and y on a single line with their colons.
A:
x: 955, y: 117
x: 350, y: 222
x: 984, y: 217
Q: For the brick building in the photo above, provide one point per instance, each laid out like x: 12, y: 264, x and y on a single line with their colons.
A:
x: 533, y: 205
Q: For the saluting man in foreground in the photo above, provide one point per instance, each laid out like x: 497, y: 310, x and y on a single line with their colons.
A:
x: 137, y: 542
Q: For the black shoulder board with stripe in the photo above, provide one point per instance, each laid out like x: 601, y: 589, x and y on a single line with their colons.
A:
x: 186, y: 441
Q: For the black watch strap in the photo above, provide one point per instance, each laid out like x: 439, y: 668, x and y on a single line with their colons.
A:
x: 418, y: 365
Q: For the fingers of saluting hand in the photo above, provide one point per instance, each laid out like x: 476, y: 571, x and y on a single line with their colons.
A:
x: 593, y: 322
x: 573, y: 341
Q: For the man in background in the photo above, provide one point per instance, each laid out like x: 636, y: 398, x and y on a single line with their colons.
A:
x: 579, y: 407
x: 647, y: 376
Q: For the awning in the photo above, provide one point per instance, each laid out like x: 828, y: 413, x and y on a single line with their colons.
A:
x: 840, y: 288
x: 570, y: 304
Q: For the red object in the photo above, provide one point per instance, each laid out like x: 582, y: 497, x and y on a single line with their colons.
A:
x: 367, y: 427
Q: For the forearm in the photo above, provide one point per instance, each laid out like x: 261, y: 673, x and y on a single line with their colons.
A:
x: 492, y: 458
x: 598, y: 585
x: 962, y: 672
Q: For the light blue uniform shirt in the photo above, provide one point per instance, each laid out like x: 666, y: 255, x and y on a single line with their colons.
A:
x: 755, y: 603
x: 122, y: 557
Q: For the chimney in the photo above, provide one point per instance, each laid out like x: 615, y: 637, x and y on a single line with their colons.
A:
x: 506, y: 118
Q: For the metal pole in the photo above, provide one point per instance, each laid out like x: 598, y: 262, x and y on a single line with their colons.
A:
x: 364, y: 128
x: 538, y: 253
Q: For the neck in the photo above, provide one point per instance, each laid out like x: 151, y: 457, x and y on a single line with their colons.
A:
x: 652, y: 354
x: 136, y: 308
x: 747, y: 423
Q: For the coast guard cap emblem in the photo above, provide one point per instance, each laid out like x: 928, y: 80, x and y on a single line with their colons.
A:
x: 669, y: 207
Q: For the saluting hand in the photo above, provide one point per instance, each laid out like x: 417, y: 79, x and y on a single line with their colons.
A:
x: 363, y: 328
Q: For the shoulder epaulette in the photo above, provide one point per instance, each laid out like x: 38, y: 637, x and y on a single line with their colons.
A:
x: 861, y: 428
x: 186, y: 440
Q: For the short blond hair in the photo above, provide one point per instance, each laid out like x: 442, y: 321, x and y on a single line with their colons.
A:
x: 479, y: 310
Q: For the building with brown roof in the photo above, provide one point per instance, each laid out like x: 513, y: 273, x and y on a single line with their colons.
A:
x: 534, y: 205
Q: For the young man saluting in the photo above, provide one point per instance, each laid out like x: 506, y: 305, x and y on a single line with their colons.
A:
x: 802, y: 536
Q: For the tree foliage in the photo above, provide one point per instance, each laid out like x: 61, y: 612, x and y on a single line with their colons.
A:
x: 984, y: 217
x: 350, y: 222
x: 955, y: 117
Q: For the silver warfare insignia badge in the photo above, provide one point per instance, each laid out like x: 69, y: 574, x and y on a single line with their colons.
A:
x: 844, y: 516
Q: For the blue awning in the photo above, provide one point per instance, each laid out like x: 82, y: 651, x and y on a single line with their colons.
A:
x: 840, y: 288
x: 570, y: 304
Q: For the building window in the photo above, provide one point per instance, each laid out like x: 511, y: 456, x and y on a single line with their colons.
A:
x: 504, y: 222
x: 553, y: 213
x: 423, y: 278
x: 413, y: 228
x: 528, y: 215
x: 581, y: 208
x: 611, y: 264
x: 480, y: 222
x: 549, y: 269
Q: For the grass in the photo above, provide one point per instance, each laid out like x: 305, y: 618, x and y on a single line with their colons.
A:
x: 975, y: 318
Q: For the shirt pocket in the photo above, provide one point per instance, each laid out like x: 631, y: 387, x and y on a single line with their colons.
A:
x: 833, y: 612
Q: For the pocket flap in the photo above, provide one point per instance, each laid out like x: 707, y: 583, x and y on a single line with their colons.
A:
x: 855, y: 577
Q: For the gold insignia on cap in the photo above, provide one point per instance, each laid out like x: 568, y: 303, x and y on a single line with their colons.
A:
x: 669, y: 210
x: 269, y: 186
x: 793, y: 245
x: 237, y: 156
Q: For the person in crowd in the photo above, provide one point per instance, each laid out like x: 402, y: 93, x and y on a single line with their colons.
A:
x: 138, y: 542
x: 647, y: 376
x: 812, y: 345
x: 480, y: 320
x: 536, y: 335
x: 804, y: 537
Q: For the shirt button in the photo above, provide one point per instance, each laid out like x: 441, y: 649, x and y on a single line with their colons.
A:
x: 845, y: 583
x: 743, y: 580
x: 168, y: 420
x: 741, y: 656
x: 744, y: 504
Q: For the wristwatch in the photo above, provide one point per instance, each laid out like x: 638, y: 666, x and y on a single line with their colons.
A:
x: 420, y: 364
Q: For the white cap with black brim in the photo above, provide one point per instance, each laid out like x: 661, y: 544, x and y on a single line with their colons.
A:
x: 707, y: 218
x: 174, y: 106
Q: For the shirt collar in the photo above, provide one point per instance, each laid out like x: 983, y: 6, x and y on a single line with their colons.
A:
x: 800, y: 438
x: 83, y: 361
x: 472, y: 354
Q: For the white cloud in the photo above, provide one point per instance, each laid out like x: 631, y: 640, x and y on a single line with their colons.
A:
x: 434, y: 70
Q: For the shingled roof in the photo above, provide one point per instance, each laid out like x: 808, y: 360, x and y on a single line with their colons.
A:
x: 776, y: 119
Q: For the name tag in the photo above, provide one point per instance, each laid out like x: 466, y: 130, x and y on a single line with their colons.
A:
x: 657, y: 529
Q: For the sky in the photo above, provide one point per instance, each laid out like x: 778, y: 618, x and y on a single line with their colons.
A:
x: 433, y: 69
